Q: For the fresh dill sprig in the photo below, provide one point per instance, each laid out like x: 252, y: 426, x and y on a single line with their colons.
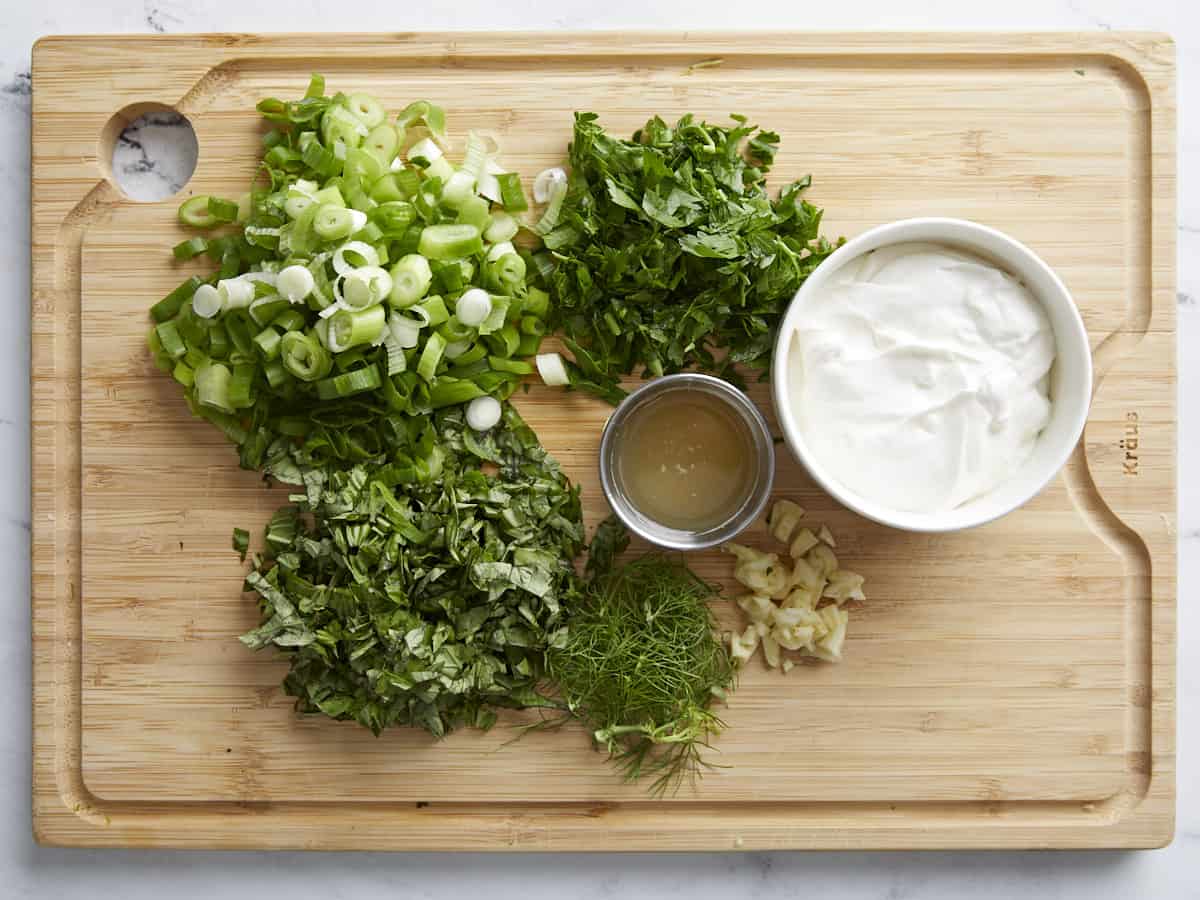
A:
x: 641, y: 666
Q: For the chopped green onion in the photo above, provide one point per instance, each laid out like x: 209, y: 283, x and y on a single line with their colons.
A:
x: 450, y: 241
x: 397, y: 362
x: 512, y: 195
x: 206, y: 301
x: 512, y: 366
x: 195, y: 212
x: 235, y: 293
x: 449, y: 276
x: 382, y: 142
x: 505, y: 341
x: 184, y: 374
x: 458, y: 188
x: 168, y: 307
x: 455, y: 348
x: 277, y: 375
x: 295, y: 283
x: 537, y: 302
x: 304, y: 356
x: 349, y: 383
x: 320, y: 159
x: 241, y: 385
x: 330, y: 194
x: 411, y: 278
x: 238, y: 323
x: 406, y: 331
x: 557, y: 194
x: 218, y: 341
x: 316, y: 87
x: 433, y: 117
x: 431, y: 356
x: 241, y: 542
x: 265, y: 309
x: 222, y: 210
x: 368, y: 110
x: 283, y: 157
x: 231, y: 263
x: 190, y: 248
x: 393, y: 217
x: 507, y: 272
x: 473, y: 307
x: 483, y: 413
x: 454, y: 330
x: 352, y: 328
x: 474, y: 211
x: 212, y: 387
x: 366, y: 286
x: 332, y: 223
x: 387, y: 189
x: 268, y: 342
x: 170, y: 340
x: 368, y: 254
x: 552, y: 369
x: 529, y: 345
x: 496, y: 317
x: 448, y: 392
x: 289, y: 320
x: 476, y: 353
x: 475, y: 156
x: 502, y: 229
x: 433, y: 310
x: 532, y: 325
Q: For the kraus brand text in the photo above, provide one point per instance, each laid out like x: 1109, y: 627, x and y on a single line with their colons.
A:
x: 1129, y: 444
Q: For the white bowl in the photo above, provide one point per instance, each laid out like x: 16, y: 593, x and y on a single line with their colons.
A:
x: 1070, y: 376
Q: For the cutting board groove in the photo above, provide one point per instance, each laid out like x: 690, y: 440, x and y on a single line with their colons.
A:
x: 1007, y: 687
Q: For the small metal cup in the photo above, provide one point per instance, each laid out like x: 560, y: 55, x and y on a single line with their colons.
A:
x: 752, y: 504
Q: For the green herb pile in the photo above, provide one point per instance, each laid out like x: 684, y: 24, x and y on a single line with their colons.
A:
x: 641, y: 666
x: 667, y: 252
x: 427, y: 591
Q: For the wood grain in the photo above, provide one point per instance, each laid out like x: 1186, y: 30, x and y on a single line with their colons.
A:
x: 1012, y: 686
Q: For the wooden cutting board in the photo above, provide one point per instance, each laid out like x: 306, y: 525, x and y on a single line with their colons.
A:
x: 1012, y: 686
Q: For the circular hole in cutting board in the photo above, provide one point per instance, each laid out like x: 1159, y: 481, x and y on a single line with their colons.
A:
x: 149, y: 151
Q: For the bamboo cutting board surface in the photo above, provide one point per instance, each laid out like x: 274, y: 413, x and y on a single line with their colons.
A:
x: 1012, y: 686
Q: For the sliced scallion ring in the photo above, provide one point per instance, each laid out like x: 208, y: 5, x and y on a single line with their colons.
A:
x: 552, y: 369
x: 545, y: 185
x: 363, y: 250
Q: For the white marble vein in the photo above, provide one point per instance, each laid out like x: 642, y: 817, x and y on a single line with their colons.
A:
x: 29, y: 871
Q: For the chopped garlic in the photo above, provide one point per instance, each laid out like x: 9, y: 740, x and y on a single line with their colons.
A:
x: 829, y: 648
x: 762, y: 573
x: 844, y: 585
x: 785, y: 516
x: 806, y: 576
x: 742, y: 646
x: 804, y: 541
x: 796, y: 637
x: 802, y: 598
x: 770, y: 648
x: 756, y: 607
x: 822, y: 559
x: 796, y: 624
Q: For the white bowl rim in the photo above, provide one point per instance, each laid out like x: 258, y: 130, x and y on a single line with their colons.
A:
x: 957, y: 233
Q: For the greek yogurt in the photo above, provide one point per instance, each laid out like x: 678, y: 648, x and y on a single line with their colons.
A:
x: 920, y: 376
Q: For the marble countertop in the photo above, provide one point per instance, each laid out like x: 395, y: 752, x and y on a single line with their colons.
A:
x: 30, y: 871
